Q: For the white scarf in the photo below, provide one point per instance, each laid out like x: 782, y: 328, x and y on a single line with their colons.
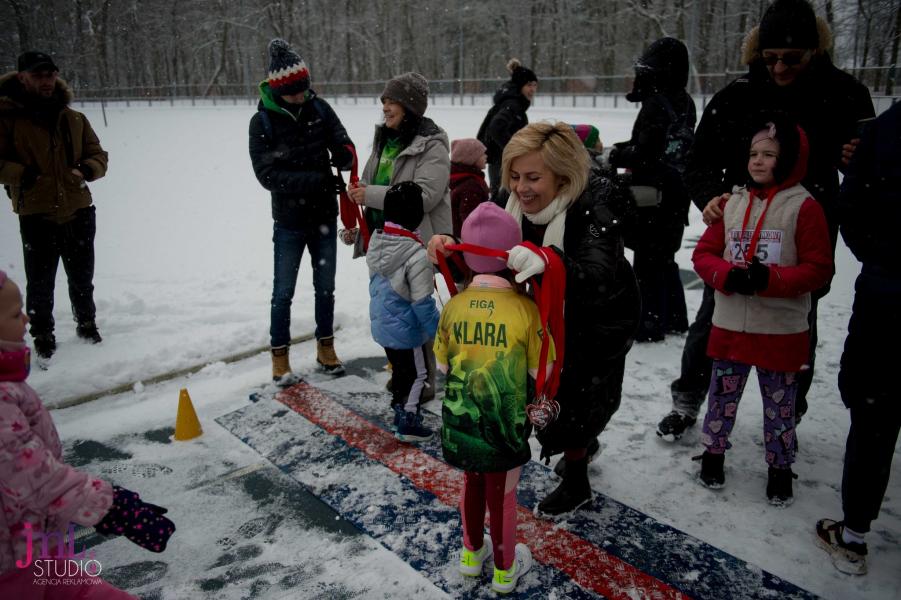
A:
x: 553, y: 215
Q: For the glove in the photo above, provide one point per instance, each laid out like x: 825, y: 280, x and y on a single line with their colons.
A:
x: 140, y: 522
x: 758, y: 275
x: 342, y: 158
x: 737, y: 281
x: 29, y: 177
x: 86, y: 171
x: 525, y: 262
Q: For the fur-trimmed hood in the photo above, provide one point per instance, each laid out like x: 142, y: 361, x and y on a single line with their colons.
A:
x: 750, y: 46
x: 13, y: 95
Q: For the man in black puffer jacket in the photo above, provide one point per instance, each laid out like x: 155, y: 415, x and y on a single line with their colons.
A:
x: 790, y: 71
x: 506, y: 117
x: 291, y: 137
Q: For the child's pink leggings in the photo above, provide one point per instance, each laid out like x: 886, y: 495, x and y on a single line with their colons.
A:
x: 497, y: 491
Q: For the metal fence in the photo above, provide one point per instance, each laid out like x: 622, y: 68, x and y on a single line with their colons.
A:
x: 589, y: 91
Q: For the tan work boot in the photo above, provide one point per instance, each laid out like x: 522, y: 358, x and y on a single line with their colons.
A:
x: 281, y: 367
x: 326, y: 357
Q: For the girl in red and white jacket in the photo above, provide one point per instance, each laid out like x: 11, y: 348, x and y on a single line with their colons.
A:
x: 766, y: 255
x: 42, y: 497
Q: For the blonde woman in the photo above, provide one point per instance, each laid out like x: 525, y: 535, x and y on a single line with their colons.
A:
x: 561, y: 202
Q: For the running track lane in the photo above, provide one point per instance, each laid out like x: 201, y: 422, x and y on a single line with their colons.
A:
x: 595, y: 570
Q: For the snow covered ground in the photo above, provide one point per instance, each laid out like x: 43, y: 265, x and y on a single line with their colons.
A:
x: 183, y: 277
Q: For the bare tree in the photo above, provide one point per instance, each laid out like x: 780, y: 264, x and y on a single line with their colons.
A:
x: 219, y: 46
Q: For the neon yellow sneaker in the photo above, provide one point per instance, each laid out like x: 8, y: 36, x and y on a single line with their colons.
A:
x: 504, y: 581
x: 471, y: 561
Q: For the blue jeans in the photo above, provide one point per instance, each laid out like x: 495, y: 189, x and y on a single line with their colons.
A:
x: 288, y: 247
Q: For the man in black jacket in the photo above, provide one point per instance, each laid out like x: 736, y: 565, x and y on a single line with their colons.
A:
x: 870, y: 210
x: 790, y: 71
x: 291, y: 137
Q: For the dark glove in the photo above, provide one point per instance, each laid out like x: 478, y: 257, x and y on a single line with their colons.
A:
x: 342, y: 158
x: 140, y: 522
x: 737, y: 281
x: 86, y: 171
x: 758, y: 275
x: 29, y: 177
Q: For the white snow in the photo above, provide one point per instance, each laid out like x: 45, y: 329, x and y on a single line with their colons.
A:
x: 183, y: 277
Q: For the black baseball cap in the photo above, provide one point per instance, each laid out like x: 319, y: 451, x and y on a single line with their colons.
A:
x: 32, y: 61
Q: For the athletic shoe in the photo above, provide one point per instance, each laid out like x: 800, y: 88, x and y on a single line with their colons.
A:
x: 398, y: 415
x: 674, y: 425
x: 848, y: 557
x: 471, y: 561
x: 504, y: 581
x: 411, y: 429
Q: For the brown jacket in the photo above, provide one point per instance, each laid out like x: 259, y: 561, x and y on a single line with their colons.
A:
x: 53, y: 140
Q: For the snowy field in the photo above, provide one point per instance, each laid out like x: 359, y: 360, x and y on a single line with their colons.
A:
x: 183, y: 277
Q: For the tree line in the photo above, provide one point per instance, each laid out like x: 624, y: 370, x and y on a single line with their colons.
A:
x: 212, y: 45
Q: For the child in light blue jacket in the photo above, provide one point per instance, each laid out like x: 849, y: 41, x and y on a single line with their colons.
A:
x: 402, y: 311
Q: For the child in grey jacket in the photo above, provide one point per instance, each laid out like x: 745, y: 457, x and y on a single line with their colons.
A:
x: 402, y: 311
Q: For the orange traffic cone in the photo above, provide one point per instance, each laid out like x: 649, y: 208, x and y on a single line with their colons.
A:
x: 187, y: 427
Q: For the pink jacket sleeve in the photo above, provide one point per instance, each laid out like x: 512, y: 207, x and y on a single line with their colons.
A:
x: 34, y: 482
x: 815, y: 264
x: 708, y: 259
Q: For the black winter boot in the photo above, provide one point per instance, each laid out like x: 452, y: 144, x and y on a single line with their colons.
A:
x: 712, y: 475
x: 87, y: 330
x: 779, y: 486
x: 593, y: 450
x: 44, y: 345
x: 573, y: 492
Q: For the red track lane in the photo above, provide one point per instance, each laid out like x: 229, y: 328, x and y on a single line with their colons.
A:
x: 586, y: 564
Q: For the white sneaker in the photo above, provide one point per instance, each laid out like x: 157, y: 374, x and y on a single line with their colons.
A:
x: 503, y: 581
x: 471, y: 562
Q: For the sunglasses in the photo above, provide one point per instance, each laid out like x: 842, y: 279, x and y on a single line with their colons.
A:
x: 789, y: 59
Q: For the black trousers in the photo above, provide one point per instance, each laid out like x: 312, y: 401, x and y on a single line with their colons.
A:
x: 409, y: 376
x: 44, y: 242
x: 690, y: 390
x: 662, y: 296
x: 871, y: 393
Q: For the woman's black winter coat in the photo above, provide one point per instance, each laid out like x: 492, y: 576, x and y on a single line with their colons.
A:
x: 601, y: 315
x: 506, y: 117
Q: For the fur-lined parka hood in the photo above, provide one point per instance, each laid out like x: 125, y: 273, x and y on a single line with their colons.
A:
x: 13, y: 95
x: 750, y: 47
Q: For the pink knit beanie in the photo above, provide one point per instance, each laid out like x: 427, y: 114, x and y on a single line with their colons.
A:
x: 489, y: 226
